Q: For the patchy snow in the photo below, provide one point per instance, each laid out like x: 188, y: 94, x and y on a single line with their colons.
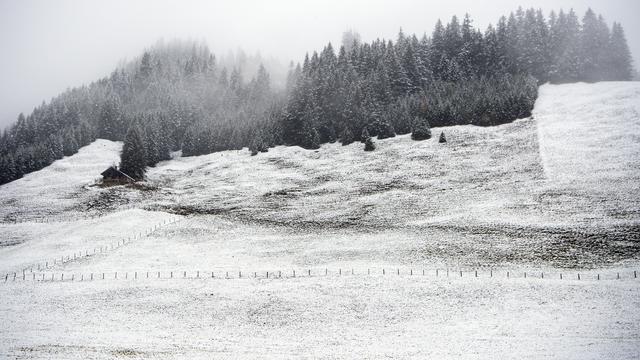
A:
x: 398, y: 317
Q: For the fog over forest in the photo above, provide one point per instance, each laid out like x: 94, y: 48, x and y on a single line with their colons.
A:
x: 51, y: 46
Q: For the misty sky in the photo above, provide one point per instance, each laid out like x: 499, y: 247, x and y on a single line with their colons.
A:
x: 47, y: 46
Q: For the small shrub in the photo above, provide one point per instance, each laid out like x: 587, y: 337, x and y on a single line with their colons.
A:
x: 369, y: 145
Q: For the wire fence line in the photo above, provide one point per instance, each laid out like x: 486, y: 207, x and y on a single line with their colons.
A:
x: 308, y: 273
x: 47, y: 219
x: 83, y: 254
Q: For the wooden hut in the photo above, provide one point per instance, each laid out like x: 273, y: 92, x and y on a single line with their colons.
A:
x: 113, y: 176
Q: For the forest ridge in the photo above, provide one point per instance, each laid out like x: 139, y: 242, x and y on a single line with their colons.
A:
x: 177, y: 96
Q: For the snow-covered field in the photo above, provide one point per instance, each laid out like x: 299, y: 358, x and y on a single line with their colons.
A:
x: 332, y: 318
x: 557, y: 193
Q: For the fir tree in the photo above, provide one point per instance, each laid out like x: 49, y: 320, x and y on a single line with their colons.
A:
x: 442, y: 139
x: 69, y: 143
x: 621, y: 61
x: 346, y: 137
x: 421, y: 129
x: 145, y: 65
x: 258, y: 144
x: 386, y: 130
x: 310, y: 138
x: 133, y: 159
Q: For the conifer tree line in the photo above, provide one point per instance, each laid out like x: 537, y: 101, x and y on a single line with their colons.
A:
x: 457, y: 75
x: 175, y: 96
x: 178, y: 96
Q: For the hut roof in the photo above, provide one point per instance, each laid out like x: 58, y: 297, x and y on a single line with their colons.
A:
x: 113, y: 173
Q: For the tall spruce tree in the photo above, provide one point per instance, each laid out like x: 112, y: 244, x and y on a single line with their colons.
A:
x: 620, y: 64
x: 133, y: 161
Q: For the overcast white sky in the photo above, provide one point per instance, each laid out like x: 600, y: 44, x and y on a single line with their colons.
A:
x: 47, y: 46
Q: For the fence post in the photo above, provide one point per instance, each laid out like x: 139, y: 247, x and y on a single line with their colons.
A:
x: 436, y: 272
x: 542, y: 275
x: 410, y: 272
x: 560, y: 276
x: 598, y: 276
x: 383, y: 273
x: 310, y: 272
x: 294, y: 273
x: 62, y: 277
x: 491, y: 273
x: 618, y: 276
x: 460, y: 273
x: 227, y: 275
x: 267, y: 274
x: 476, y: 273
x: 239, y: 274
x: 198, y: 274
x: 578, y: 276
x: 326, y: 271
x: 525, y: 274
x: 398, y: 271
x: 507, y: 274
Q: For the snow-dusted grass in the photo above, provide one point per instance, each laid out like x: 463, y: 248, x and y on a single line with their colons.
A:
x: 534, y: 195
x: 27, y: 245
x: 331, y: 318
x: 590, y: 135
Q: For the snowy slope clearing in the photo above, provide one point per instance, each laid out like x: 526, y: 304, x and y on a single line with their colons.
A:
x: 59, y: 189
x: 545, y: 194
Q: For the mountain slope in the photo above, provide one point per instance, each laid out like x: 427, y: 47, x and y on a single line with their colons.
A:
x: 495, y: 196
x: 500, y: 200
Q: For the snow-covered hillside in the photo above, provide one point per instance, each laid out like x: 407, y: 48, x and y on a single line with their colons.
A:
x: 590, y: 135
x: 557, y: 191
x: 61, y: 189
